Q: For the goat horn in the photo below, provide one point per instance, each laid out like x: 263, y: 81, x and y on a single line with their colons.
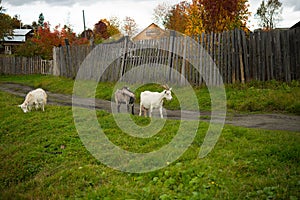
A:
x: 166, y: 86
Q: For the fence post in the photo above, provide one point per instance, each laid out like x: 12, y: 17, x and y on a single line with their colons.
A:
x: 286, y: 57
x: 240, y: 55
x: 245, y: 52
x: 56, y: 71
x: 170, y: 57
x: 182, y: 80
x: 123, y: 56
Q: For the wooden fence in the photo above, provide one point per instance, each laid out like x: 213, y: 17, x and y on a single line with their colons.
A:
x: 67, y: 59
x: 23, y: 65
x: 229, y: 57
x: 239, y: 57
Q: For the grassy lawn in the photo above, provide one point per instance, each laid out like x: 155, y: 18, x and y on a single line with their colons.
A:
x: 252, y: 97
x: 42, y: 157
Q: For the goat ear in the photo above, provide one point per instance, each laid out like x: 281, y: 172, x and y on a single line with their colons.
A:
x: 170, y: 89
x: 20, y: 105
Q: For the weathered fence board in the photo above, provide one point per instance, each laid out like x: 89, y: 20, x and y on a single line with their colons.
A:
x: 23, y: 65
x: 239, y: 57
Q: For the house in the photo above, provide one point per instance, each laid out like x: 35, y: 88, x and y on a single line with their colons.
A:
x: 18, y: 37
x: 151, y: 32
x: 297, y: 25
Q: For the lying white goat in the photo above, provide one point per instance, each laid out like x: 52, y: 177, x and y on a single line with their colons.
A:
x: 150, y: 100
x: 36, y: 97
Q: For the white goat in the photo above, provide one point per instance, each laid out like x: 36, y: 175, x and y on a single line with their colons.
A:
x: 150, y: 100
x: 36, y: 97
x: 124, y: 95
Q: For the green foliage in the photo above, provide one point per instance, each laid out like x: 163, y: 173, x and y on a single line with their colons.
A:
x: 6, y: 25
x: 30, y: 49
x: 41, y: 20
x: 42, y: 157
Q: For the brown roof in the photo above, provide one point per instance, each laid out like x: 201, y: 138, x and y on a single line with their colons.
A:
x: 153, y: 31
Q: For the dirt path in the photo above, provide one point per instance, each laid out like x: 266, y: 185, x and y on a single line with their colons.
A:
x: 262, y: 121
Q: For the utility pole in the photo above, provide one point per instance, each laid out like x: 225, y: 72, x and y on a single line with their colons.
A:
x: 84, y: 24
x: 20, y: 22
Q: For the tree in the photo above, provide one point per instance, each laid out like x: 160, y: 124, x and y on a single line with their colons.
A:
x: 100, y: 31
x: 194, y: 22
x: 208, y: 16
x: 178, y: 17
x: 161, y: 13
x: 44, y: 40
x: 269, y: 14
x: 88, y: 34
x: 41, y: 20
x: 6, y: 23
x: 34, y: 25
x: 222, y: 15
x: 129, y: 26
x: 17, y: 23
x: 113, y: 27
x: 104, y: 29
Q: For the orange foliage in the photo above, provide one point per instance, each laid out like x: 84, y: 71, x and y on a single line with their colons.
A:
x: 208, y: 16
x: 178, y: 17
x: 44, y: 40
x: 222, y: 15
x: 194, y: 23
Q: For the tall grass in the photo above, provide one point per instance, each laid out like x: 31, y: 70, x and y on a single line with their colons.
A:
x: 42, y: 157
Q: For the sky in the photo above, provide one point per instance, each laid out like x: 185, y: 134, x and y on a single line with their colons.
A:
x: 70, y: 12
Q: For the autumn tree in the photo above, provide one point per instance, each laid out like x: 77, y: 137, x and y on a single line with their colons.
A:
x: 44, y: 40
x: 178, y: 17
x: 194, y: 24
x: 6, y: 23
x: 34, y: 25
x: 88, y: 34
x: 161, y: 13
x: 129, y: 26
x: 114, y: 26
x: 222, y: 15
x: 17, y: 23
x: 104, y: 29
x: 208, y: 16
x: 269, y: 14
x: 100, y: 31
x: 40, y: 45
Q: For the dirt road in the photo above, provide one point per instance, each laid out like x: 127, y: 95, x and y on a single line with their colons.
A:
x: 261, y: 121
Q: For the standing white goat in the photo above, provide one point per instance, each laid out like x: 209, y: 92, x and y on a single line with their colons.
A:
x: 124, y: 95
x: 150, y: 100
x: 36, y: 97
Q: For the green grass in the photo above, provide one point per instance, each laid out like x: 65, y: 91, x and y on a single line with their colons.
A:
x: 271, y: 96
x: 42, y: 157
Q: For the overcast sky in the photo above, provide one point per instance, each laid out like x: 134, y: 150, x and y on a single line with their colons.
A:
x: 70, y: 11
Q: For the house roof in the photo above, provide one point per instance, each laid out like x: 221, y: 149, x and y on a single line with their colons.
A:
x: 150, y: 32
x: 21, y: 31
x: 19, y: 35
x: 297, y: 25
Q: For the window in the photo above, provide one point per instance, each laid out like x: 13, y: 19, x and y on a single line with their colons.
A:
x: 7, y: 49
